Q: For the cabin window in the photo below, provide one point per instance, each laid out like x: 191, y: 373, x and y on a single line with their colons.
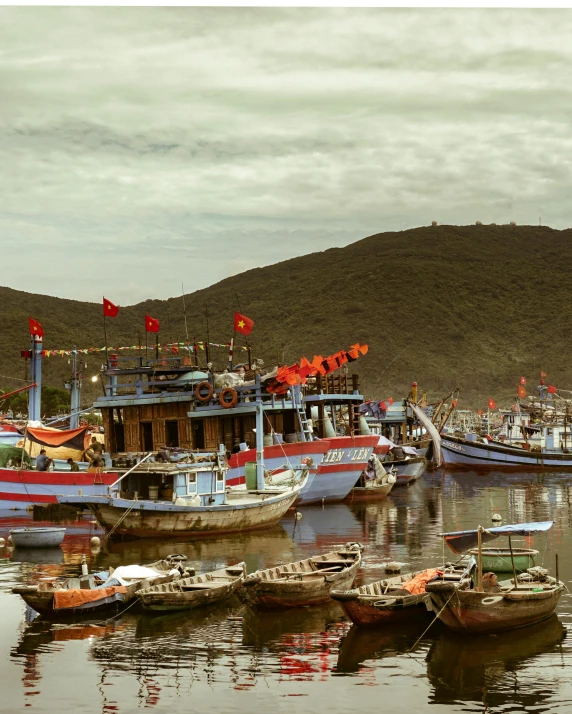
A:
x: 147, y: 436
x: 219, y: 482
x: 172, y: 433
x: 192, y: 483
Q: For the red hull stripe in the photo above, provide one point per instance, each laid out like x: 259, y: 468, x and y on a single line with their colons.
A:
x: 57, y: 478
x: 300, y: 448
x: 335, y: 468
x: 31, y: 498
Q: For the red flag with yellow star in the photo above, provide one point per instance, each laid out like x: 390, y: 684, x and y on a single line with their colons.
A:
x: 243, y: 324
x: 151, y: 324
x: 35, y: 328
x: 109, y: 308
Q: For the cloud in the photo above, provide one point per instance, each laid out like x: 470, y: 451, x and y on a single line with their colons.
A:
x: 178, y: 145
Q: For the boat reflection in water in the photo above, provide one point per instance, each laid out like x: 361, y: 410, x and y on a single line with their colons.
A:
x: 487, y: 668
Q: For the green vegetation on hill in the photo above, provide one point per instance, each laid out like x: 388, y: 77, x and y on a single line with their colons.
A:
x: 473, y: 307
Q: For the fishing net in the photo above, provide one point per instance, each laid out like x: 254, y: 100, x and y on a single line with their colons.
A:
x: 12, y: 457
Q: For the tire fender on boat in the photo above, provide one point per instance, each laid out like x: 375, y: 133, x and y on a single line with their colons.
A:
x: 491, y: 600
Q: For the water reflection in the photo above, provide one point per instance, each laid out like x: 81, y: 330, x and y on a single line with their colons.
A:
x: 229, y: 654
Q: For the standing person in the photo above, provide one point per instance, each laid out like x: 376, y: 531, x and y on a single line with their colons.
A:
x: 43, y: 462
x: 95, y: 450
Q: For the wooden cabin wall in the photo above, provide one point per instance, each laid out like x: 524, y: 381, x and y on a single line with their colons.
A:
x: 156, y: 415
x: 108, y: 428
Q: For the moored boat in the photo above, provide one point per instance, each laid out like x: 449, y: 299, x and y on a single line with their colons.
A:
x: 402, y: 597
x: 479, y: 604
x: 374, y: 484
x: 500, y: 560
x: 98, y: 591
x: 305, y: 582
x: 196, y: 591
x: 46, y: 537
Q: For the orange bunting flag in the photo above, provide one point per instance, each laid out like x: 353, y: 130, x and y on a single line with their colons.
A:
x: 151, y: 324
x: 109, y: 309
x: 521, y: 391
x: 523, y: 381
x: 480, y: 412
x: 243, y: 324
x: 492, y: 404
x: 35, y: 328
x: 454, y: 403
x: 383, y: 406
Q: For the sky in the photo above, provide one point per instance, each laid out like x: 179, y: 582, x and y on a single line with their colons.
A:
x: 146, y: 148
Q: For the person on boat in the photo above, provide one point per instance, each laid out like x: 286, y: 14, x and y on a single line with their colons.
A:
x: 73, y: 465
x: 490, y: 583
x: 95, y: 451
x: 43, y: 462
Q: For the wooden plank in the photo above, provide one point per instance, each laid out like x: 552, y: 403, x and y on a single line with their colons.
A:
x: 212, y: 436
x: 158, y: 433
x: 185, y: 434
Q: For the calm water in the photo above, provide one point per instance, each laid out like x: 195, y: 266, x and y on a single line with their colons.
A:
x: 229, y: 660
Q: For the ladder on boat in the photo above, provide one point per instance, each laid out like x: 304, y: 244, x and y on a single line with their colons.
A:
x: 304, y: 423
x: 355, y: 424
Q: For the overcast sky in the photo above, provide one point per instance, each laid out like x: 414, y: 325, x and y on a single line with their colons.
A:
x: 145, y: 147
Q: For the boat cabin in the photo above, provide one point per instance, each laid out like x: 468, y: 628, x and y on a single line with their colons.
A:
x: 166, y: 403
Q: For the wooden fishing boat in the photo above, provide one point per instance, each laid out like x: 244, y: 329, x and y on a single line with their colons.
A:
x: 374, y: 484
x: 99, y: 591
x: 498, y: 560
x: 402, y: 597
x: 480, y: 604
x: 188, y: 500
x: 192, y: 592
x: 306, y: 582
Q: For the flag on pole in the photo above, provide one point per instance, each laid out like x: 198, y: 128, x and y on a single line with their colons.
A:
x: 243, y: 324
x: 109, y: 309
x: 35, y: 328
x: 492, y: 404
x: 551, y: 389
x: 543, y: 374
x: 521, y: 391
x: 390, y: 400
x: 151, y: 324
x: 523, y: 381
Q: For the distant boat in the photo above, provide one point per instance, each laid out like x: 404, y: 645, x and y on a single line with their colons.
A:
x: 305, y: 582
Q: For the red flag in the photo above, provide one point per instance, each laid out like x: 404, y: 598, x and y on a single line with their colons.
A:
x: 35, y: 328
x: 109, y: 309
x: 151, y: 324
x: 521, y: 391
x: 390, y: 400
x: 551, y: 389
x: 543, y: 374
x: 492, y: 404
x: 454, y: 403
x: 243, y: 324
x: 523, y: 381
x: 480, y: 412
x: 383, y: 406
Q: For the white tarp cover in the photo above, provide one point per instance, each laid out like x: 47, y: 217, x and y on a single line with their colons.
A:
x: 432, y: 431
x: 126, y: 574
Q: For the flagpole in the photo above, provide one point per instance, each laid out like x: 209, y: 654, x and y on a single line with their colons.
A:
x: 208, y: 334
x: 104, y: 329
x: 230, y: 351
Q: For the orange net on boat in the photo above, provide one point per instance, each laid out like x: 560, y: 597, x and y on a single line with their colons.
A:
x: 416, y: 585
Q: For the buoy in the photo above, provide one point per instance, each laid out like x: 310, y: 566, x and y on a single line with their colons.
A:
x: 497, y: 517
x: 95, y: 541
x: 393, y: 567
x: 2, y: 542
x: 9, y: 541
x: 298, y: 516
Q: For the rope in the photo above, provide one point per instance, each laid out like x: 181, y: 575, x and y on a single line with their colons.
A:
x: 432, y: 622
x: 120, y: 520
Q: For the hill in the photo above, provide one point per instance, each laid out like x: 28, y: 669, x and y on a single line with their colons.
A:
x: 473, y: 307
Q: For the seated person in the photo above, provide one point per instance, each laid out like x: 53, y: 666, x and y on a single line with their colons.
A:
x: 73, y: 465
x: 43, y: 462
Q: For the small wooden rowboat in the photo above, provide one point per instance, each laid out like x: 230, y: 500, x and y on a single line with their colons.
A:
x: 97, y: 591
x: 498, y: 560
x: 306, y: 582
x: 48, y: 537
x: 197, y: 591
x: 402, y: 597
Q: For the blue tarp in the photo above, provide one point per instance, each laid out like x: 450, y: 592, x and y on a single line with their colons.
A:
x: 461, y: 541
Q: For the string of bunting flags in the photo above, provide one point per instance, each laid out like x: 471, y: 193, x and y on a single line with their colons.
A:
x: 174, y: 347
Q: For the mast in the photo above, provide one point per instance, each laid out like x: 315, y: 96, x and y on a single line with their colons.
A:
x: 480, y: 559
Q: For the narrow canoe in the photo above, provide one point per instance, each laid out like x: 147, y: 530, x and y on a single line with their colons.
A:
x: 197, y: 591
x: 305, y: 582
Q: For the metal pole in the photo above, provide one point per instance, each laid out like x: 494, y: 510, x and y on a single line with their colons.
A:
x: 259, y: 446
